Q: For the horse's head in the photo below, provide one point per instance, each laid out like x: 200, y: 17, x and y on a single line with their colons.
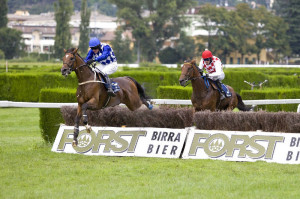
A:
x: 69, y: 61
x: 188, y: 72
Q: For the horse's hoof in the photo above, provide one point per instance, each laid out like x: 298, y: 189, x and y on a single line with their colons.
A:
x: 74, y: 143
x: 150, y: 106
x: 88, y: 128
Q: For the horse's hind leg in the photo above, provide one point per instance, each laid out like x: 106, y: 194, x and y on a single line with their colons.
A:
x: 147, y: 104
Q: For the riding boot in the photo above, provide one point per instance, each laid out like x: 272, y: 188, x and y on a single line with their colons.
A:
x: 110, y: 92
x: 222, y: 93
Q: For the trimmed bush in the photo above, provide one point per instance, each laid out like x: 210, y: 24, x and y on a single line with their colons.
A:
x: 174, y: 92
x: 26, y: 86
x: 151, y: 80
x: 51, y: 118
x: 273, y: 93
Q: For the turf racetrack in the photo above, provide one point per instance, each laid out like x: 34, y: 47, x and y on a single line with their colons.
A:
x: 28, y: 169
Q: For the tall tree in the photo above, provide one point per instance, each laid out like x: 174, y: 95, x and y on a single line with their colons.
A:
x: 3, y: 13
x: 185, y: 47
x: 270, y: 32
x: 11, y: 42
x: 152, y: 21
x: 290, y: 11
x: 63, y: 12
x: 121, y: 48
x: 243, y: 28
x: 217, y: 20
x: 84, y: 31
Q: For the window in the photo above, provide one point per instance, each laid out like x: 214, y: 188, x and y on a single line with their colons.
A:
x: 231, y: 60
x: 238, y: 60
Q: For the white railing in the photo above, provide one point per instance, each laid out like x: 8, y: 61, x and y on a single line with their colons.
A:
x: 155, y: 101
x: 228, y: 65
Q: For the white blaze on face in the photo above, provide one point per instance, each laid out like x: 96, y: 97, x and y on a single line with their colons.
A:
x: 67, y: 56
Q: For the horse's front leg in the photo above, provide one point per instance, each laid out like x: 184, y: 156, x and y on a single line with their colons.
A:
x: 86, y: 106
x: 76, y: 126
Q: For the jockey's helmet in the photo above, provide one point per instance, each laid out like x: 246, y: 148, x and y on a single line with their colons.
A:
x: 94, y: 42
x: 206, y: 54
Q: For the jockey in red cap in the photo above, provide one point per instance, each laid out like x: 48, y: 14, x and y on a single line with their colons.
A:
x: 214, y: 68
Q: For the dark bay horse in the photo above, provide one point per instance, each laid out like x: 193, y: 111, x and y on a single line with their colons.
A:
x: 91, y: 92
x: 207, y: 98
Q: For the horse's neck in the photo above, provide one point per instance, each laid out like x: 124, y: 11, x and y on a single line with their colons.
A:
x: 83, y: 73
x: 199, y: 86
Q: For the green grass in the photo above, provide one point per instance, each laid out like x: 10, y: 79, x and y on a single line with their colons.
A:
x: 28, y: 169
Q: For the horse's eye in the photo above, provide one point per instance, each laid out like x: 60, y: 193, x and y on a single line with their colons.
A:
x: 72, y: 58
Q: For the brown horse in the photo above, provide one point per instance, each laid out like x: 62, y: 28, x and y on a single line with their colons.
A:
x: 207, y: 97
x: 91, y: 92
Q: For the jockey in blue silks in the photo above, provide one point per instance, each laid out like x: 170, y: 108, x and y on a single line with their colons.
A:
x: 105, y: 59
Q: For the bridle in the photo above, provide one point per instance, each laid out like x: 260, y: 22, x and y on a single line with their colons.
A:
x: 188, y: 80
x: 71, y: 66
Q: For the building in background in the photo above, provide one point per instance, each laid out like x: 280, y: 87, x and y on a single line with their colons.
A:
x: 39, y: 30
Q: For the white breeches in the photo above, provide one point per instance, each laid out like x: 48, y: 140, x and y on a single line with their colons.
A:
x: 218, y: 77
x: 108, y: 69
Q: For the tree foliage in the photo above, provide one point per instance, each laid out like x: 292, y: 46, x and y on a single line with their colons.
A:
x: 121, y: 48
x: 233, y: 31
x: 11, y: 42
x: 84, y: 31
x: 3, y: 13
x: 63, y: 13
x: 168, y: 56
x: 289, y: 10
x: 152, y: 21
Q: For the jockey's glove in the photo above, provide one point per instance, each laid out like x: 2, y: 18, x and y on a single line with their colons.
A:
x: 207, y: 75
x: 90, y: 61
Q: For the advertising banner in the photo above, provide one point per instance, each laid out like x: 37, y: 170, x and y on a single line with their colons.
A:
x: 243, y: 146
x: 113, y: 141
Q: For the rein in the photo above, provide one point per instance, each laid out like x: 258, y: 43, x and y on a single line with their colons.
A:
x: 188, y: 81
x: 84, y: 64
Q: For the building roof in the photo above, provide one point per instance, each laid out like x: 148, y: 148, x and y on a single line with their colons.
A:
x: 97, y: 20
x: 50, y: 30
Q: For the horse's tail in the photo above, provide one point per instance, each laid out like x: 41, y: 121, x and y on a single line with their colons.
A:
x: 145, y: 98
x: 241, y: 106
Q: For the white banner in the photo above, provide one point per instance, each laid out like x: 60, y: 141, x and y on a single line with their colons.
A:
x: 246, y: 146
x: 112, y: 141
x: 243, y: 146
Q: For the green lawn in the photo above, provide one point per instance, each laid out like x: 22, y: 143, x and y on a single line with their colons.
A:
x: 28, y: 169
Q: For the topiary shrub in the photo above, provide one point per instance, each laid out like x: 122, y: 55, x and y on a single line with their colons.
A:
x: 51, y: 118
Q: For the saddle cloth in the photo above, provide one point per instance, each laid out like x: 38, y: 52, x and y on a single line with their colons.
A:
x: 226, y: 90
x: 114, y: 85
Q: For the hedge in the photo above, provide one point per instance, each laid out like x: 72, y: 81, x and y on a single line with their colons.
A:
x: 51, y: 118
x: 26, y: 86
x: 174, y: 92
x: 273, y: 93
